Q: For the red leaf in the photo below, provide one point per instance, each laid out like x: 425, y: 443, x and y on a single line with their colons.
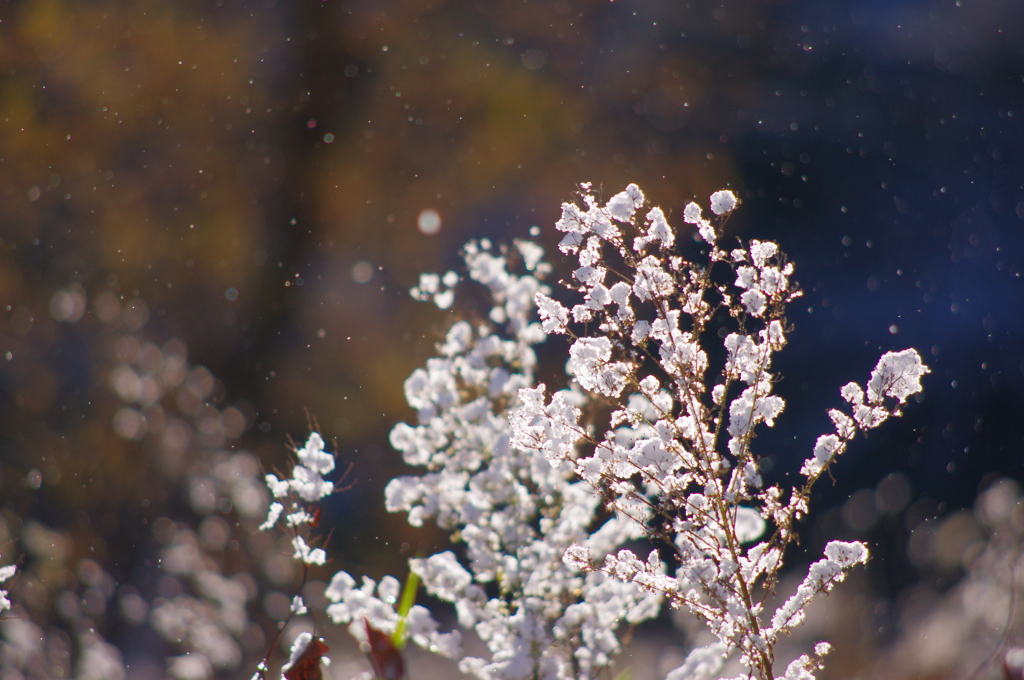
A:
x: 385, y: 658
x: 307, y: 666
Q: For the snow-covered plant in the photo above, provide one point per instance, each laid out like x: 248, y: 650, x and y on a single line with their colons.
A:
x: 652, y: 438
x: 675, y: 450
x: 304, y: 490
x: 5, y: 574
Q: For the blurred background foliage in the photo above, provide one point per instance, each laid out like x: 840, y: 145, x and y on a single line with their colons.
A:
x: 245, y: 181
